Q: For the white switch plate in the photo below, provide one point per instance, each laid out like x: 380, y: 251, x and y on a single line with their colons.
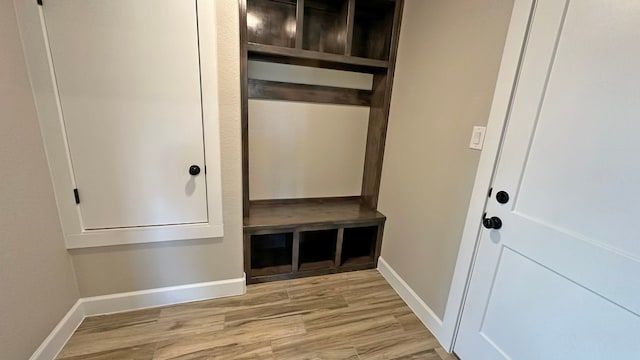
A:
x: 477, y: 137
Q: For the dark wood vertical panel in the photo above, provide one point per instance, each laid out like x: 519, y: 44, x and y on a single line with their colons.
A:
x: 244, y: 106
x: 295, y: 263
x: 351, y: 16
x: 247, y: 254
x: 378, y: 249
x: 299, y: 23
x: 339, y: 247
x: 379, y: 118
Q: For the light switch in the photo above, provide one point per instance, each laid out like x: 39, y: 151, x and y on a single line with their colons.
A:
x: 477, y: 137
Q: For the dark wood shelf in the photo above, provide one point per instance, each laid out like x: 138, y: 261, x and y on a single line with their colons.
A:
x: 331, y: 212
x: 356, y: 261
x: 271, y: 270
x: 314, y: 58
x: 316, y: 265
x: 275, y: 90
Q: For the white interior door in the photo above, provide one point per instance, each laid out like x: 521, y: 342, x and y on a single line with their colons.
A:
x: 561, y: 278
x: 128, y: 78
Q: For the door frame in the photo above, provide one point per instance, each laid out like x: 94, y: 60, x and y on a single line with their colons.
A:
x: 506, y: 84
x: 39, y: 64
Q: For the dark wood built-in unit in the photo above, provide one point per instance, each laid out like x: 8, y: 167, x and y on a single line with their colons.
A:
x: 302, y: 237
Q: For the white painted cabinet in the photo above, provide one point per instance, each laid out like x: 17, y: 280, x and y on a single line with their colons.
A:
x: 137, y: 109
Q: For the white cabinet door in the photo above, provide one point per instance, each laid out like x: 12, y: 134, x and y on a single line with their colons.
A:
x: 561, y: 278
x: 128, y: 78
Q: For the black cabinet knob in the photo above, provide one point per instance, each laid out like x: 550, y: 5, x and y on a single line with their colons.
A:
x: 502, y: 197
x: 492, y: 223
x: 194, y: 170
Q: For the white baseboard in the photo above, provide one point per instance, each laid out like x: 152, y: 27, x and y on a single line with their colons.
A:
x: 59, y: 336
x: 422, y: 310
x: 135, y: 300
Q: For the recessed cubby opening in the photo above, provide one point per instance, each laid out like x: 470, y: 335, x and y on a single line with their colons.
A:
x: 317, y: 249
x: 272, y: 22
x: 372, y: 29
x: 271, y: 254
x: 325, y: 26
x: 359, y: 246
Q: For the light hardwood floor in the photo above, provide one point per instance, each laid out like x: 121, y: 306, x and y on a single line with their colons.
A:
x: 354, y: 315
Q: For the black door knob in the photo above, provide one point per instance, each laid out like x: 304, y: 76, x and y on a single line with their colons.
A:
x: 194, y: 170
x: 492, y: 223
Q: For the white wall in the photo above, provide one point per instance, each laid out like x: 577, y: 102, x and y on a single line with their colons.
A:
x: 37, y: 285
x: 447, y: 66
x: 301, y: 150
x: 128, y: 268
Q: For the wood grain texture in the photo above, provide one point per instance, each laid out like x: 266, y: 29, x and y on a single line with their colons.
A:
x: 325, y: 26
x: 275, y: 90
x: 353, y: 315
x: 271, y: 22
x: 313, y: 58
x: 351, y: 8
x: 372, y: 29
x: 299, y: 23
x: 244, y: 105
x: 379, y: 118
x: 295, y: 213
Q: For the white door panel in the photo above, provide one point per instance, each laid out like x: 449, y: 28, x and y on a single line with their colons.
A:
x: 540, y: 297
x: 128, y: 78
x: 561, y: 278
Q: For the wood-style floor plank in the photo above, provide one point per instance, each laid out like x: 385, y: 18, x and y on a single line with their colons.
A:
x: 141, y: 352
x: 354, y: 316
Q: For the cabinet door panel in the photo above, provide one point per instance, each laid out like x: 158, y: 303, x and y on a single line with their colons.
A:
x: 128, y: 78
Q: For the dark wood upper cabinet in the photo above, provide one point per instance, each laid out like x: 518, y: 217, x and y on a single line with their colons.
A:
x: 341, y: 34
x: 272, y: 22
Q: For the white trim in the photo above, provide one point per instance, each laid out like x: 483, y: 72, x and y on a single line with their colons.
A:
x: 507, y: 78
x: 415, y: 303
x: 51, y: 346
x: 95, y: 238
x: 43, y: 83
x: 135, y: 300
x: 144, y: 299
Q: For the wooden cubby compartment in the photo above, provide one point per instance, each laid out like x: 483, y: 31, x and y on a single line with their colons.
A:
x: 325, y: 26
x: 317, y: 249
x: 271, y: 254
x: 272, y: 22
x: 359, y: 246
x: 372, y: 29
